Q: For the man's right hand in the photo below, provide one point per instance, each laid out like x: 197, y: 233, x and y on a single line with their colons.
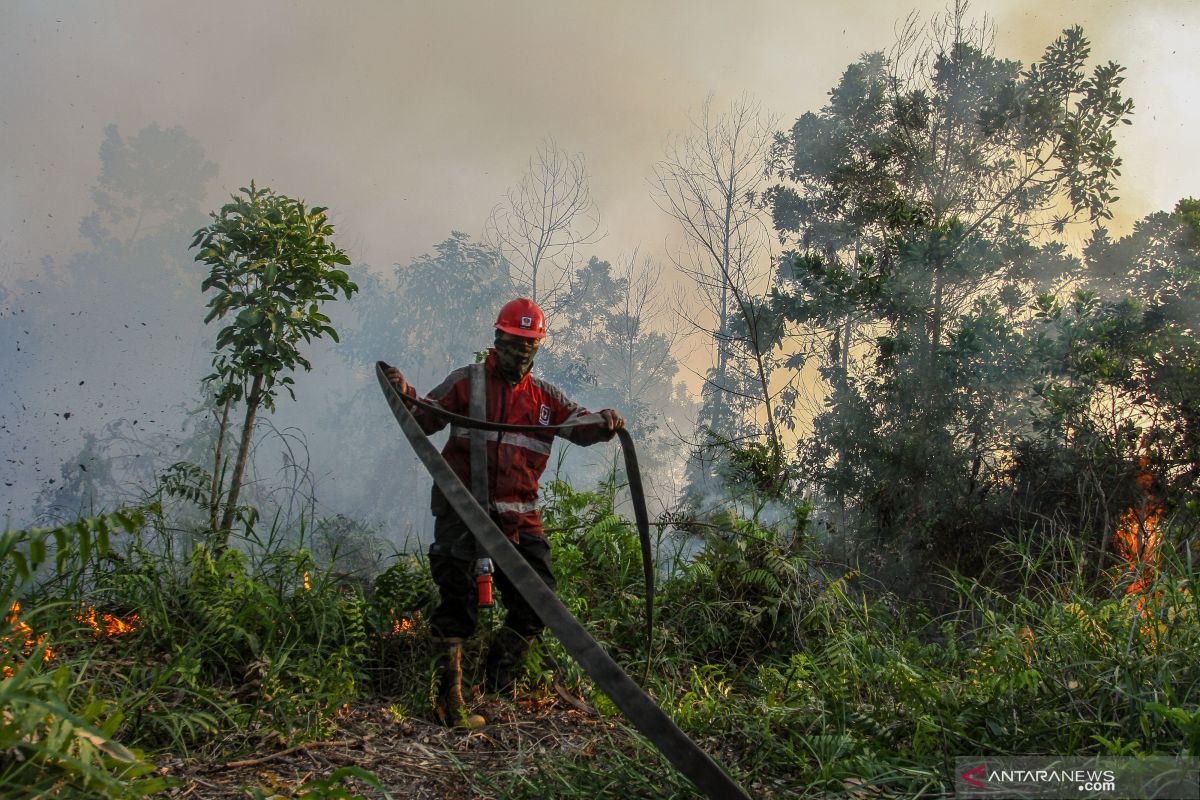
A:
x: 395, y: 377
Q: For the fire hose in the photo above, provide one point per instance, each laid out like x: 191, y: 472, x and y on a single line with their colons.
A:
x: 626, y: 695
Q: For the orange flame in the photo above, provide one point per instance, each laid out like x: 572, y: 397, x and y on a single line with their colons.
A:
x: 402, y: 625
x: 19, y: 631
x: 1138, y: 538
x: 107, y: 625
x: 17, y: 634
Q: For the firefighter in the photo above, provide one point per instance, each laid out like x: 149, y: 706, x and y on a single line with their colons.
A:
x: 509, y: 491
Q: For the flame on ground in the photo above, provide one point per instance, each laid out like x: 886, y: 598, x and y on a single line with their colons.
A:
x: 1138, y: 541
x: 18, y: 635
x: 1138, y: 538
x: 107, y: 625
x: 405, y: 626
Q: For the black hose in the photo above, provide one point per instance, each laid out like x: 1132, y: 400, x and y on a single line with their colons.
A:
x: 632, y: 472
x: 625, y: 694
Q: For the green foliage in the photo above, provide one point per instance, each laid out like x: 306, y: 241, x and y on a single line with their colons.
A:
x: 51, y: 742
x: 23, y: 553
x: 598, y: 563
x: 1120, y: 371
x: 917, y: 202
x: 983, y: 384
x: 806, y: 684
x: 405, y: 585
x: 272, y: 264
x: 603, y: 347
x: 453, y: 290
x: 756, y: 470
x: 803, y: 684
x: 397, y: 624
x: 743, y: 595
x: 294, y: 653
x: 52, y: 735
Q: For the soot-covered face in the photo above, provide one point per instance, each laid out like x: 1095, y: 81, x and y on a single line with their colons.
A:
x: 514, y: 354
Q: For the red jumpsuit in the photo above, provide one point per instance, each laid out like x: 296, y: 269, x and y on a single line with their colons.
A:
x: 515, y: 464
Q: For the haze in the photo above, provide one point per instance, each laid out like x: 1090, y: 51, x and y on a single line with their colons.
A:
x: 410, y: 120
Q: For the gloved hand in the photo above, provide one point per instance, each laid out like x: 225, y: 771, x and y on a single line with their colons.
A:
x: 396, y: 378
x: 612, y: 420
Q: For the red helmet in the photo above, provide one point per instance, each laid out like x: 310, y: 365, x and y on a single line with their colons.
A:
x: 522, y: 317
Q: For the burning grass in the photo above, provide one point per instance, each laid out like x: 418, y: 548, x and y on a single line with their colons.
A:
x: 107, y: 624
x: 1139, y: 543
x: 18, y: 638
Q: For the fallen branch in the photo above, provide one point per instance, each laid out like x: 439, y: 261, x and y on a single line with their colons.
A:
x: 250, y: 762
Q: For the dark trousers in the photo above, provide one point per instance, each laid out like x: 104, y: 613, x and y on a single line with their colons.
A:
x: 452, y: 562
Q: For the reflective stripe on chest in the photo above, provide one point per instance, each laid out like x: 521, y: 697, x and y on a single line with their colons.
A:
x: 515, y: 439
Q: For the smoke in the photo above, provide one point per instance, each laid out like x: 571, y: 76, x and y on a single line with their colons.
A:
x: 1155, y: 42
x: 409, y: 121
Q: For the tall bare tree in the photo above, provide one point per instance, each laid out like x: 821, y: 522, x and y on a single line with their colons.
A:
x: 711, y: 181
x: 643, y: 311
x: 543, y: 221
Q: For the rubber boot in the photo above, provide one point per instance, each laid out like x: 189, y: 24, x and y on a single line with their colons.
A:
x: 449, y: 706
x: 504, y: 660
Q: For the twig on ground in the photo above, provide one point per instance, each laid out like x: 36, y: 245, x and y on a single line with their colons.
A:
x: 250, y: 762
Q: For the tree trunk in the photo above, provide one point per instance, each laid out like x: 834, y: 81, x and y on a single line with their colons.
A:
x: 239, y: 467
x: 844, y: 367
x: 214, y: 496
x: 772, y: 431
x: 935, y: 326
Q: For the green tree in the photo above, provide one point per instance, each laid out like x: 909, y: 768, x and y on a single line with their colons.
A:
x: 1120, y: 384
x: 272, y: 263
x: 605, y: 344
x: 608, y: 349
x: 152, y: 178
x: 427, y: 316
x: 438, y: 312
x: 917, y: 203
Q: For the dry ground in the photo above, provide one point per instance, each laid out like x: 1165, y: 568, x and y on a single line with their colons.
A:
x: 412, y: 757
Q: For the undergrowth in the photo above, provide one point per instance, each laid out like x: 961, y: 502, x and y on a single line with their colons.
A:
x: 801, y: 681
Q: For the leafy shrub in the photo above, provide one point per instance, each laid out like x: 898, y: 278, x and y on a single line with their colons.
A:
x: 53, y: 737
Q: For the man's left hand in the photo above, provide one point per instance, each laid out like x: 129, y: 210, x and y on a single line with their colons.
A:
x: 612, y: 420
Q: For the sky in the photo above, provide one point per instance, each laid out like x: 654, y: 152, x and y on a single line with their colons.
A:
x: 411, y: 119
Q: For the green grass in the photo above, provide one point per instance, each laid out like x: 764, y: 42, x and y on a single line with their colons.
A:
x: 800, y: 682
